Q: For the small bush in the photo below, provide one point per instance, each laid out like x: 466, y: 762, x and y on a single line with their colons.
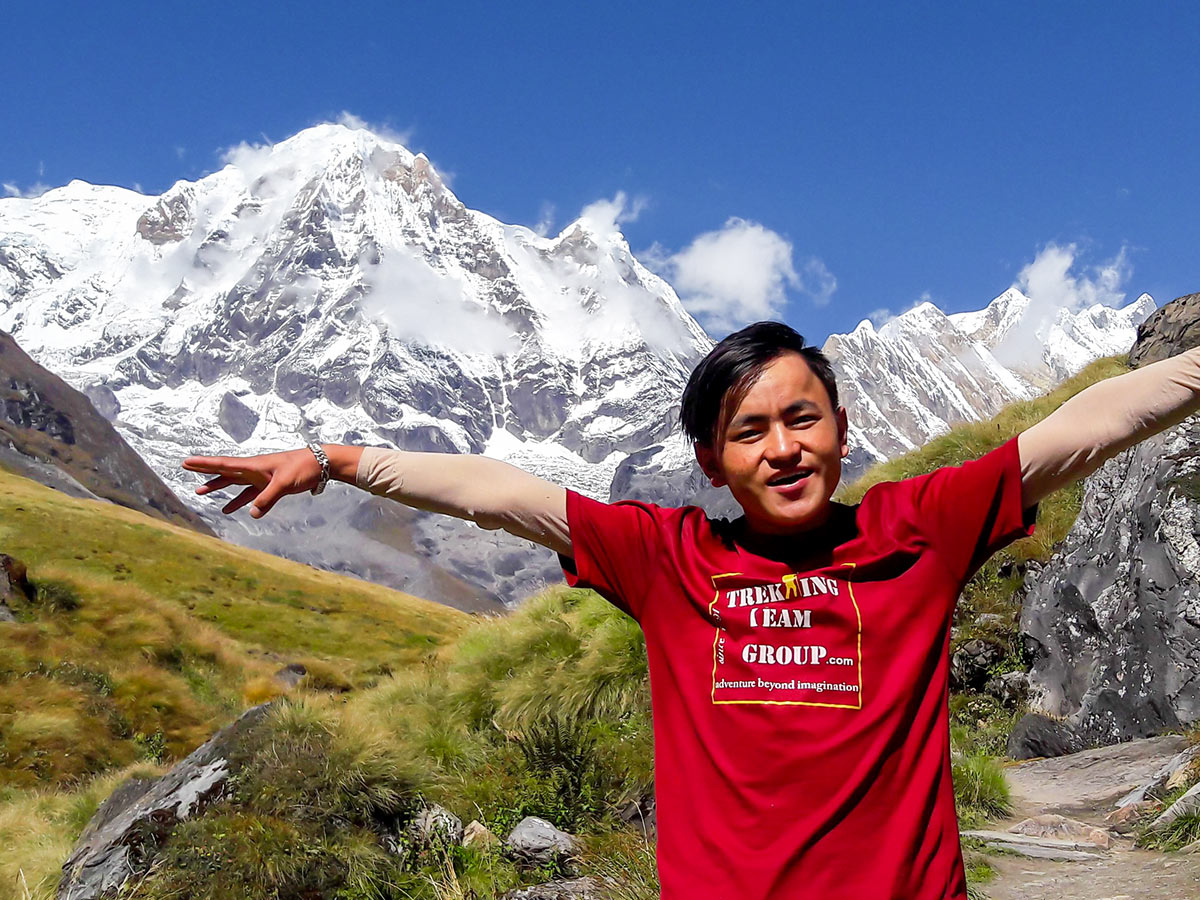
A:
x: 980, y: 789
x: 1181, y: 832
x: 153, y: 746
x: 625, y: 863
x: 56, y: 596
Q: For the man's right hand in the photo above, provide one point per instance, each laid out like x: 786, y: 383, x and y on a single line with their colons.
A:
x: 268, y: 477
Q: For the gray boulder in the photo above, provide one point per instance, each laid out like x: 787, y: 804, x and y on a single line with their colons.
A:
x: 971, y: 663
x: 1167, y: 331
x: 536, y: 842
x: 1113, y: 620
x: 14, y: 583
x: 585, y: 888
x: 121, y: 838
x: 436, y: 825
x: 103, y: 398
x: 1010, y: 689
x: 476, y: 834
x: 13, y: 586
x: 1036, y: 736
x: 290, y: 675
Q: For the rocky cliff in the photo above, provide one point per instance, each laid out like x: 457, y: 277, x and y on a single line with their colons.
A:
x: 52, y: 433
x: 1113, y: 620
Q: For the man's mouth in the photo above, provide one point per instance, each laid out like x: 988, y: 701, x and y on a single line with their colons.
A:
x: 789, y: 478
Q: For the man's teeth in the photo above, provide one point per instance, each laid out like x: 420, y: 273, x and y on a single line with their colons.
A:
x: 787, y: 479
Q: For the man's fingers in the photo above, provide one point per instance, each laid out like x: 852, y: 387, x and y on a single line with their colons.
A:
x: 241, y: 499
x: 215, y: 485
x: 211, y: 464
x: 266, y: 499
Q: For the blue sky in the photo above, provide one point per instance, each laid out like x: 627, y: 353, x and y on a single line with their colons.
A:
x: 882, y: 153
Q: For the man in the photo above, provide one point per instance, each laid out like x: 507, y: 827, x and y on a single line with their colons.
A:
x: 798, y: 655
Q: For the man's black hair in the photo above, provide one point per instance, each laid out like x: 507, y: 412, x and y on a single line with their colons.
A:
x: 719, y: 384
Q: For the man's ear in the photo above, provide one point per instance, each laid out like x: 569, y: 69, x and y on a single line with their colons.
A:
x: 843, y: 431
x: 706, y: 456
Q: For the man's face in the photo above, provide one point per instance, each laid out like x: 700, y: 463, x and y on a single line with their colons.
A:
x: 781, y: 451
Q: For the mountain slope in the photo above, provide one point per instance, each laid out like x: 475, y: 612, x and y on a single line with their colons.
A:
x: 55, y: 435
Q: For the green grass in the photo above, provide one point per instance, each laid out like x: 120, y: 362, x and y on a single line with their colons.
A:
x: 141, y: 638
x: 256, y: 599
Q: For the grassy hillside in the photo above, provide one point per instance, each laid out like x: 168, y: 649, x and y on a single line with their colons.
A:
x: 143, y: 637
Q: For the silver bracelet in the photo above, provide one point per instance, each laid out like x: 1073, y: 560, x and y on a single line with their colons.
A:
x: 319, y: 452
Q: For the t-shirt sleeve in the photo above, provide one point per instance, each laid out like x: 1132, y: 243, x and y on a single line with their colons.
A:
x: 613, y: 548
x: 969, y: 512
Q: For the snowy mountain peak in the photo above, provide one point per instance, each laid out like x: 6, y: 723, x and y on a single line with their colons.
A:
x: 924, y: 371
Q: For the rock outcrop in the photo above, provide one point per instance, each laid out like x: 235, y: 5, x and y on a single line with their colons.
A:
x: 53, y: 434
x: 1113, y: 620
x: 14, y: 585
x: 120, y: 840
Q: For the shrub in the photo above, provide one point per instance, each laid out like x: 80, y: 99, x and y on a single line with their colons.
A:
x: 980, y: 789
x: 56, y: 596
x: 1182, y: 831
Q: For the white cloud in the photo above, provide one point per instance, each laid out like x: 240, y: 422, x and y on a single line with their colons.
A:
x: 1050, y: 285
x: 880, y: 317
x: 741, y: 273
x: 1056, y: 284
x: 604, y: 217
x: 387, y: 132
x: 34, y: 190
x: 545, y: 223
x: 817, y: 282
x: 421, y: 302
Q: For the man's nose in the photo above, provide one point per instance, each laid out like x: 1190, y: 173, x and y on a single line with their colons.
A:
x: 781, y: 443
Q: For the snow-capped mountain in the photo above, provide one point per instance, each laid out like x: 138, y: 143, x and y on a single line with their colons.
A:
x: 331, y: 287
x: 924, y: 371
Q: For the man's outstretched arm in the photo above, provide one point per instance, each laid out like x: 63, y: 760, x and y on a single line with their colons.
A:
x: 1104, y: 419
x: 490, y: 493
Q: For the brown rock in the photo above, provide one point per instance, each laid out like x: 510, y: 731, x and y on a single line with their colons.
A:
x: 14, y: 583
x: 477, y: 834
x: 1062, y: 828
x: 1124, y: 819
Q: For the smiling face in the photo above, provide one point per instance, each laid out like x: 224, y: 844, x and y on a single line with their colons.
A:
x: 781, y: 451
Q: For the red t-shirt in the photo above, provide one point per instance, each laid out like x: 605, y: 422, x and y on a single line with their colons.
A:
x: 802, y: 744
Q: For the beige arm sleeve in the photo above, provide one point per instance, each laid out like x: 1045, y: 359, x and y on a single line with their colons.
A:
x: 1104, y: 419
x: 490, y: 493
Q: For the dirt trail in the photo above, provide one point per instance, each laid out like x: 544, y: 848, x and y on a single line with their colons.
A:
x: 1084, y: 786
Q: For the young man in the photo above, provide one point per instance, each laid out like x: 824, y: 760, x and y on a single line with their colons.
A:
x: 798, y: 655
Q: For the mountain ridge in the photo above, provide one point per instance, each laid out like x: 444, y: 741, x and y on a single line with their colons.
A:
x: 331, y: 287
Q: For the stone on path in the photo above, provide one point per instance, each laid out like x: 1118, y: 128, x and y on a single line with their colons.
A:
x: 1038, y: 847
x: 1123, y: 819
x: 1062, y: 828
